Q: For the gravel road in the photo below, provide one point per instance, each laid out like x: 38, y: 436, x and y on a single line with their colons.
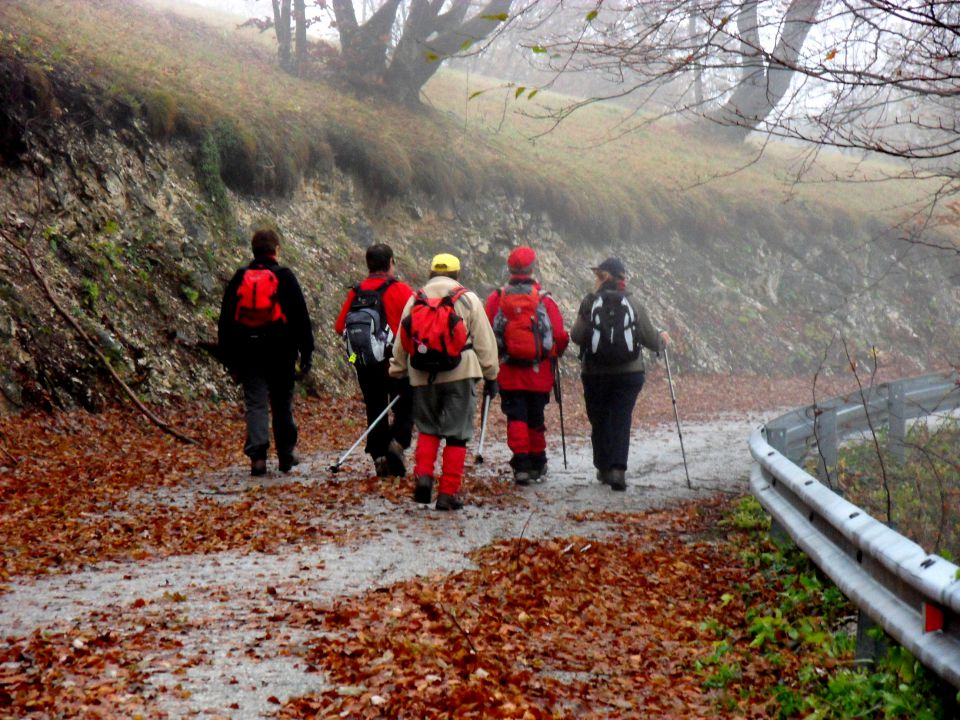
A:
x: 225, y: 595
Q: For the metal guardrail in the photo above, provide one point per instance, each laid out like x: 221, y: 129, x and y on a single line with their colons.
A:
x: 913, y: 595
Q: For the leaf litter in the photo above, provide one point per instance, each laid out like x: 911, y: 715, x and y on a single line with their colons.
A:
x: 538, y: 623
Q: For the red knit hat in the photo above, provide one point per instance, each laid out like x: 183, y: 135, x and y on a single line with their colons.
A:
x: 521, y: 259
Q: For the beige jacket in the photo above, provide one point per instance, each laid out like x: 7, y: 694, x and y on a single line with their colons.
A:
x: 479, y: 362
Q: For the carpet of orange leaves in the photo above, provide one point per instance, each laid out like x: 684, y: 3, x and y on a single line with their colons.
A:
x: 557, y: 628
x: 571, y: 628
x: 67, y: 480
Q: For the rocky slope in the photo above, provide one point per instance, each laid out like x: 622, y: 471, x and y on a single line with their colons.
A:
x: 129, y: 240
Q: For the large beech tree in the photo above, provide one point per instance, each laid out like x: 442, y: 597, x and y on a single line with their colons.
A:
x: 401, y: 51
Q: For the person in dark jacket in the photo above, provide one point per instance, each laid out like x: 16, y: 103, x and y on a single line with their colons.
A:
x: 525, y: 385
x: 261, y: 339
x: 386, y: 441
x: 610, y: 390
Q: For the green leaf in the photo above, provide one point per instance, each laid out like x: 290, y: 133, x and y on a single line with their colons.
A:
x: 466, y: 44
x: 476, y: 93
x: 538, y: 49
x: 519, y: 91
x: 532, y: 94
x: 499, y: 17
x: 591, y: 15
x: 431, y: 56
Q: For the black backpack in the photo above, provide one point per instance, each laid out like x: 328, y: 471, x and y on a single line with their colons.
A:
x: 614, y: 332
x: 367, y: 334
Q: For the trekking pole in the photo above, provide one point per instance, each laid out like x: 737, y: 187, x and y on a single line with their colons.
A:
x: 336, y: 466
x: 676, y: 415
x: 483, y: 429
x: 558, y: 394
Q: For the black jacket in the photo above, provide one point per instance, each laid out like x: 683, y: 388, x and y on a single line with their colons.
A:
x: 283, y: 341
x: 581, y: 331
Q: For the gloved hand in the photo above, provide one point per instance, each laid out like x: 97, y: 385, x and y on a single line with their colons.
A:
x: 490, y: 389
x: 303, y: 372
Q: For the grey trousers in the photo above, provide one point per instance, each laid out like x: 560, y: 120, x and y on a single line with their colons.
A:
x: 265, y: 394
x: 446, y: 409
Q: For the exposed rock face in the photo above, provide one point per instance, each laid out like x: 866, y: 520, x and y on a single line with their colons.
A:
x: 131, y: 245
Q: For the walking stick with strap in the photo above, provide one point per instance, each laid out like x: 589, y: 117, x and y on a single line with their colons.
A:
x: 336, y: 466
x: 558, y: 394
x: 676, y: 415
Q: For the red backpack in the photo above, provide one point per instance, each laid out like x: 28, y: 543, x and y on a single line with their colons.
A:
x: 522, y: 326
x: 433, y: 335
x: 257, y: 303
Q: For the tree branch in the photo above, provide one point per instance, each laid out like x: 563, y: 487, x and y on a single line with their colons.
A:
x: 24, y: 249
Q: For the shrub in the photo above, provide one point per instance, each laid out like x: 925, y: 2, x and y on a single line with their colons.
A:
x: 159, y: 109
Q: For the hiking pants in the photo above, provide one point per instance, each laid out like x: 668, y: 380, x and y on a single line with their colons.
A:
x: 378, y: 390
x: 276, y: 388
x: 444, y: 411
x: 526, y: 430
x: 610, y: 400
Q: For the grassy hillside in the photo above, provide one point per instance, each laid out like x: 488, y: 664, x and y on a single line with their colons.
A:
x: 220, y: 86
x: 165, y: 138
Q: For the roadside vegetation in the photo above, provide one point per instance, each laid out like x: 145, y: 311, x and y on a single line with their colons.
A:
x: 257, y: 129
x: 924, y: 488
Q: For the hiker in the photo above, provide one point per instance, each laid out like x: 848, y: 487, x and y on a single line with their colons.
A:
x: 530, y: 338
x: 264, y: 326
x: 369, y: 321
x: 610, y: 328
x: 446, y: 346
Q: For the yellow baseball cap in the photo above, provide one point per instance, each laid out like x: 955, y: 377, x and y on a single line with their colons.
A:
x: 445, y: 262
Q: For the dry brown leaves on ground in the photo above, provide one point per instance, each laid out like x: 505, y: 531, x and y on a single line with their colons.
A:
x: 570, y: 628
x: 559, y: 628
x: 88, y: 488
x: 76, y: 488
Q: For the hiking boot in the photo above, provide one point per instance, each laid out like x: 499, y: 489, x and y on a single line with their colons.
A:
x: 618, y: 479
x: 448, y: 502
x: 381, y: 466
x: 522, y: 477
x: 424, y: 489
x: 538, y: 467
x: 258, y: 466
x: 603, y: 476
x: 394, y: 459
x: 521, y: 468
x: 288, y: 462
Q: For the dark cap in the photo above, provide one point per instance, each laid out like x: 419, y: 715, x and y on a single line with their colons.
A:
x: 613, y: 266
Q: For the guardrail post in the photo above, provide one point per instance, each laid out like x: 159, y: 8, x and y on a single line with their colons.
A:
x: 777, y: 439
x: 896, y: 409
x: 825, y: 427
x: 870, y: 645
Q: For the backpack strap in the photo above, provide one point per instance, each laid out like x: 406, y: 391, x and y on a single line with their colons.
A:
x: 455, y: 295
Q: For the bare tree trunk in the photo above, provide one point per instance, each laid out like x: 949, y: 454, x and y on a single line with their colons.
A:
x: 364, y: 46
x: 430, y: 37
x: 764, y: 78
x: 698, y: 67
x: 281, y: 22
x: 300, y: 18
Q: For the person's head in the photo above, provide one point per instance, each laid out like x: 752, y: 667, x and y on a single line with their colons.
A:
x: 521, y: 260
x: 610, y: 269
x: 379, y: 258
x: 445, y: 264
x: 265, y: 243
